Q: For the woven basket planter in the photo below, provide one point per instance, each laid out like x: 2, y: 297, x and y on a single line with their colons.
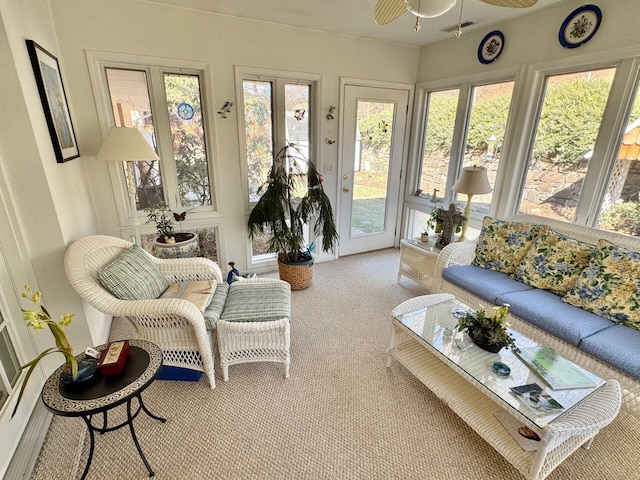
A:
x: 298, y: 275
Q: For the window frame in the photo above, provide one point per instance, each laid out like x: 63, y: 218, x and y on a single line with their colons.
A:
x: 206, y: 216
x: 465, y: 84
x: 278, y: 78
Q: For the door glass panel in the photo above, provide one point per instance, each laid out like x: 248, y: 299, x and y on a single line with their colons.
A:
x: 438, y: 139
x: 258, y: 132
x: 371, y: 167
x: 187, y: 132
x: 566, y: 133
x: 485, y: 134
x: 131, y: 106
x: 620, y: 209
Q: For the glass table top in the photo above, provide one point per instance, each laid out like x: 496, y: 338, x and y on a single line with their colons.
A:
x: 435, y: 327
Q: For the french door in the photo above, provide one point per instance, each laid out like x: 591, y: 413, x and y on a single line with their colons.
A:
x: 372, y: 153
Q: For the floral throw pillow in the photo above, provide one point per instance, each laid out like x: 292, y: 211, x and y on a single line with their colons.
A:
x: 610, y: 285
x: 554, y: 262
x: 502, y: 245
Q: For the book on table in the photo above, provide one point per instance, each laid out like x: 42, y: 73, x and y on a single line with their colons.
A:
x: 557, y: 372
x: 537, y: 398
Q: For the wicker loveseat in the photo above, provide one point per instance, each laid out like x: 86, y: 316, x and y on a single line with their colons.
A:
x: 607, y: 348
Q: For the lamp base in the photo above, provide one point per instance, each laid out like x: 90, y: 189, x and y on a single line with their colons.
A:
x: 467, y: 218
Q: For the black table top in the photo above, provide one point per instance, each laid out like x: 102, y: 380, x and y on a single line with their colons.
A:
x: 143, y: 364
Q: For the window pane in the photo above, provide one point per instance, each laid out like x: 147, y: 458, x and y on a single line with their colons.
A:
x: 9, y: 363
x: 258, y: 132
x: 132, y: 108
x: 620, y: 210
x: 187, y: 132
x: 485, y: 134
x: 438, y: 139
x: 566, y: 132
x: 297, y: 116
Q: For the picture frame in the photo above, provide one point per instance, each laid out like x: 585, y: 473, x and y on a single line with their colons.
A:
x: 54, y: 102
x: 580, y: 26
x: 491, y: 47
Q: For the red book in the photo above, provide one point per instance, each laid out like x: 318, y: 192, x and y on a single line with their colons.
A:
x: 113, y: 358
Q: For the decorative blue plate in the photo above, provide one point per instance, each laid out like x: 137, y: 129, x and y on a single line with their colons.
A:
x: 491, y: 47
x: 501, y: 369
x: 580, y: 26
x: 458, y: 313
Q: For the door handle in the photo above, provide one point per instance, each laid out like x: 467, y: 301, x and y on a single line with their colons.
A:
x: 345, y: 189
x: 346, y: 177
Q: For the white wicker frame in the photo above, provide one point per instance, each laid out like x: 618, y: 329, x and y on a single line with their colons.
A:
x: 175, y: 325
x: 462, y: 254
x: 255, y: 341
x: 559, y: 439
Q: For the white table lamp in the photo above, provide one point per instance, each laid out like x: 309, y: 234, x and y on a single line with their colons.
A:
x: 472, y: 181
x: 127, y: 145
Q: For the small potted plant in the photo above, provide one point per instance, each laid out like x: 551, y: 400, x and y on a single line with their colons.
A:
x: 38, y: 319
x: 424, y: 236
x: 488, y: 330
x: 170, y: 244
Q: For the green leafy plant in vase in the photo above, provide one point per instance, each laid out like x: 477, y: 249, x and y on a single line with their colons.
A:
x: 488, y: 330
x: 291, y: 198
x: 39, y: 319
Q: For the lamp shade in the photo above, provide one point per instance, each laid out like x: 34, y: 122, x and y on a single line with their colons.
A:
x: 472, y: 181
x: 125, y: 145
x: 429, y: 8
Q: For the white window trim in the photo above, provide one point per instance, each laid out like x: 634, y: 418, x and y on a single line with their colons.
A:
x: 241, y: 73
x: 96, y: 60
x: 464, y: 84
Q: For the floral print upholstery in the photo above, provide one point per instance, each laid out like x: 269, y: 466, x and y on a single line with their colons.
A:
x: 502, y: 245
x: 554, y: 262
x: 610, y: 285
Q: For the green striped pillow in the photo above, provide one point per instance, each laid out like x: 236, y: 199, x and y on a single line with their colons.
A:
x: 133, y: 276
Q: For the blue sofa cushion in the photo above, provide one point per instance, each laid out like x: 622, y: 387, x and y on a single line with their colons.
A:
x: 482, y: 282
x: 548, y: 312
x: 617, y: 346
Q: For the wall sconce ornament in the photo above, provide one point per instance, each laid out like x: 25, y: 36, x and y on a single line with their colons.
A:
x: 330, y: 114
x: 226, y: 108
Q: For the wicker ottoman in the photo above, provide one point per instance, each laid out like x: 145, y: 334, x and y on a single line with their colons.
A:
x: 254, y: 325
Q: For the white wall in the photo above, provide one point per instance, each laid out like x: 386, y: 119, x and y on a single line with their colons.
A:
x: 531, y: 39
x: 223, y: 42
x: 43, y: 205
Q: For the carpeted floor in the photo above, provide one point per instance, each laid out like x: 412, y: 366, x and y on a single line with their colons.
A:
x: 341, y: 414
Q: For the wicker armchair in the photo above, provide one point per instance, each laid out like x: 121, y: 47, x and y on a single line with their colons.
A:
x: 177, y: 326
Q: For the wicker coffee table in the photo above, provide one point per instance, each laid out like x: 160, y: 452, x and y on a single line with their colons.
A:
x: 421, y: 344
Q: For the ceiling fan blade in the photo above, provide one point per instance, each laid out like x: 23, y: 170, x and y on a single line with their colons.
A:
x: 387, y: 11
x: 511, y: 3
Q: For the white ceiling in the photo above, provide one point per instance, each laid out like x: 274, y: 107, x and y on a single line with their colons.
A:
x: 355, y: 17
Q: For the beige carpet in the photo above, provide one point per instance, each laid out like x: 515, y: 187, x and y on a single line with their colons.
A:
x: 341, y: 414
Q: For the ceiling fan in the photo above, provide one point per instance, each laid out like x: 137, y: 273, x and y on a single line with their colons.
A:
x: 386, y: 11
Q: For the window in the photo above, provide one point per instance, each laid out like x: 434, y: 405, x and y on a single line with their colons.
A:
x: 278, y: 108
x: 9, y: 365
x: 462, y: 127
x: 568, y: 123
x: 619, y: 210
x: 172, y: 121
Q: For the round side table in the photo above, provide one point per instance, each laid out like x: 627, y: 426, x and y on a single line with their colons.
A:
x: 105, y: 393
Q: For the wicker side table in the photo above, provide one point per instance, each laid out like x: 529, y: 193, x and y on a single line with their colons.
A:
x: 418, y: 261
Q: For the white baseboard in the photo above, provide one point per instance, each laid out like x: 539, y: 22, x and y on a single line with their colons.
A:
x: 26, y: 454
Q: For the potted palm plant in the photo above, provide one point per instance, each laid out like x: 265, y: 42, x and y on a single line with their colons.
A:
x: 170, y: 244
x: 291, y: 197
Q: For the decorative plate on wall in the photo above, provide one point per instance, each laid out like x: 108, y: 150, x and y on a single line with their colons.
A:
x: 185, y: 111
x: 580, y: 26
x: 491, y: 46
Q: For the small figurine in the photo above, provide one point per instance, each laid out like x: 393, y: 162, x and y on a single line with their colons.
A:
x: 232, y: 273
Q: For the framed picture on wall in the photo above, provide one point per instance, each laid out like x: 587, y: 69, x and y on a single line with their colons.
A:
x: 54, y: 102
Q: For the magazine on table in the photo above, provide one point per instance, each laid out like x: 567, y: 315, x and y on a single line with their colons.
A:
x: 557, y: 372
x: 526, y: 438
x: 537, y: 398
